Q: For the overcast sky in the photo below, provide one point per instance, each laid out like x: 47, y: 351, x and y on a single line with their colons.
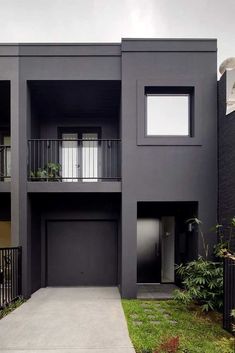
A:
x: 110, y: 20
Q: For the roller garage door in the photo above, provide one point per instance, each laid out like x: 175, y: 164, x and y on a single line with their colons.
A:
x: 81, y: 253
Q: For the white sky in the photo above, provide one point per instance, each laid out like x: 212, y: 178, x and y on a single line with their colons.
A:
x: 110, y: 20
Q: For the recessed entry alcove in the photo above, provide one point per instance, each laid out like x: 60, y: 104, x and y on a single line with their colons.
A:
x: 164, y: 238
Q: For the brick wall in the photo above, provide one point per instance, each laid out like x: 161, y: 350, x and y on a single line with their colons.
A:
x: 226, y: 155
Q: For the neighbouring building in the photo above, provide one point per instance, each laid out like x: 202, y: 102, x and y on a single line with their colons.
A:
x: 226, y: 128
x: 106, y: 151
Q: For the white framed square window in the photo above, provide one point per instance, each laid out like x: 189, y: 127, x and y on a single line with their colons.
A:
x: 168, y: 115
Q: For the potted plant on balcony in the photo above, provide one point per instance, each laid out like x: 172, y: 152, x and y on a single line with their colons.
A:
x: 51, y: 172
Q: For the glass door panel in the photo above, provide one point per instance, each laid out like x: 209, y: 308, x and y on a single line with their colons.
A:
x: 90, y: 157
x: 69, y: 157
x: 7, y: 158
x: 168, y: 249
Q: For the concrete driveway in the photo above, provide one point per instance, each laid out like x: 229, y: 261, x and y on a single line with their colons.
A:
x: 67, y: 320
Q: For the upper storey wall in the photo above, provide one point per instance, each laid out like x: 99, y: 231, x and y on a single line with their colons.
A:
x: 169, y: 168
x: 63, y: 62
x: 173, y: 168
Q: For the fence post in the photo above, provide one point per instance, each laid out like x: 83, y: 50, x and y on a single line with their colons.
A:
x: 229, y: 293
x: 19, y: 270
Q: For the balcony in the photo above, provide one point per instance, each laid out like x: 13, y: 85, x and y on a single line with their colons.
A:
x: 74, y: 160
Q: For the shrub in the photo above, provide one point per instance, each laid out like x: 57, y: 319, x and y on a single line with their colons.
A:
x: 233, y: 317
x: 203, y: 282
x: 202, y: 279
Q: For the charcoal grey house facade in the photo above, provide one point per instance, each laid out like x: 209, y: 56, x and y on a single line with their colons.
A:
x: 106, y: 151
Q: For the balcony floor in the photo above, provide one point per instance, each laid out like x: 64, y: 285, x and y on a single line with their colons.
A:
x: 67, y: 187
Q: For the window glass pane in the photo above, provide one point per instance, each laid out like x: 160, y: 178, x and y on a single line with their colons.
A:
x: 168, y: 115
x: 7, y: 158
x: 90, y: 157
x: 69, y: 157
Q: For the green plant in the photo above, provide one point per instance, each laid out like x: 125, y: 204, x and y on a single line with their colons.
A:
x: 50, y: 172
x: 203, y: 279
x: 233, y: 316
x: 226, y: 234
x: 203, y: 283
x: 226, y: 345
x: 11, y: 307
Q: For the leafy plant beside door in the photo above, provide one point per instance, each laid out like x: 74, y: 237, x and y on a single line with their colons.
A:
x: 51, y: 172
x: 203, y: 283
x: 202, y: 279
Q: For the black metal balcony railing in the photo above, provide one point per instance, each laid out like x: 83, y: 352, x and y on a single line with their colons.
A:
x: 72, y: 160
x: 5, y: 163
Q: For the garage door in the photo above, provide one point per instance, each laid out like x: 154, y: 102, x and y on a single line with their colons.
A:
x: 81, y: 253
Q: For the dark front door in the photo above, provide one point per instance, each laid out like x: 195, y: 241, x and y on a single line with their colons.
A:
x: 81, y: 253
x: 156, y: 250
x: 148, y: 251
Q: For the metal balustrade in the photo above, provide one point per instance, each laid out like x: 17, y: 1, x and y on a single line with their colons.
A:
x: 5, y: 163
x: 10, y: 275
x: 73, y: 160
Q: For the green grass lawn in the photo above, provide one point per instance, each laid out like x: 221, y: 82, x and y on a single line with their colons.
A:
x: 151, y: 323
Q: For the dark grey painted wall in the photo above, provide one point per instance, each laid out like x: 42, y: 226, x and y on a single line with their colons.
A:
x: 149, y: 173
x: 83, y: 63
x: 226, y: 125
x: 35, y: 234
x: 167, y: 173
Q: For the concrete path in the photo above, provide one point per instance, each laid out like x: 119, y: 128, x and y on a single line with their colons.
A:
x: 67, y: 320
x: 156, y: 291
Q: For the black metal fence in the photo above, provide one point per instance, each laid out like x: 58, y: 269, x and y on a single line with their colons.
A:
x: 229, y: 293
x: 10, y: 275
x: 74, y: 160
x: 5, y: 162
